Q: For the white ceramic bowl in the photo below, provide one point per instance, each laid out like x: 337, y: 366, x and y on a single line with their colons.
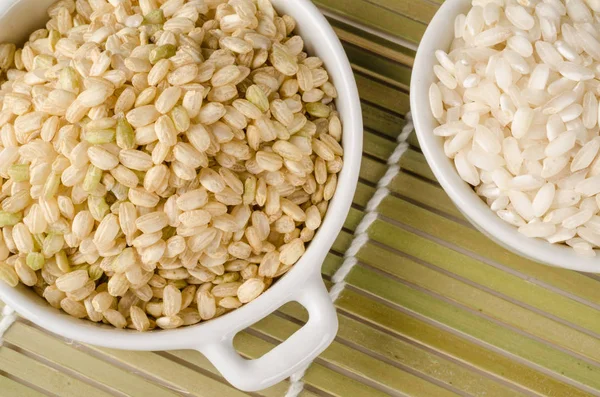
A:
x: 303, y: 283
x: 439, y: 35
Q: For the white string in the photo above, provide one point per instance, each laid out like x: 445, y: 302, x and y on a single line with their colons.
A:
x: 8, y: 318
x: 361, y: 236
x: 296, y: 382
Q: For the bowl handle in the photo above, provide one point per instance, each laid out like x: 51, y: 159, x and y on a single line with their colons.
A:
x: 288, y: 357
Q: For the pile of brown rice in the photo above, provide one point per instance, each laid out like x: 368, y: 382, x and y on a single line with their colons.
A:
x: 162, y: 162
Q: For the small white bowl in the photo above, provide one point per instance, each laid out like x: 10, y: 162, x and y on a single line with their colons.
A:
x: 438, y: 36
x: 303, y: 283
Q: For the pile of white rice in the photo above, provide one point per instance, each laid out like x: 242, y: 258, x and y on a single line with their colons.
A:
x: 518, y: 110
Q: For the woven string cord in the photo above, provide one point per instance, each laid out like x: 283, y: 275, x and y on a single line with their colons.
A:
x: 361, y: 236
x: 8, y: 318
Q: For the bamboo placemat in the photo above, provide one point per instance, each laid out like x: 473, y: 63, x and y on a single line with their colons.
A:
x: 432, y: 308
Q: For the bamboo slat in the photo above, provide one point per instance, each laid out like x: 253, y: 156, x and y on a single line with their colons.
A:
x: 68, y: 357
x: 382, y: 95
x: 382, y: 68
x: 12, y: 388
x: 373, y: 43
x: 456, y: 345
x: 374, y: 17
x: 421, y: 11
x: 171, y: 374
x: 36, y: 373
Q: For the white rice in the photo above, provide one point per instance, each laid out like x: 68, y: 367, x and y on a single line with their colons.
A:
x: 517, y: 106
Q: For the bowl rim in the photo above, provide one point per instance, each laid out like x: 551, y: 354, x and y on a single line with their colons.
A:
x: 29, y: 305
x: 468, y: 202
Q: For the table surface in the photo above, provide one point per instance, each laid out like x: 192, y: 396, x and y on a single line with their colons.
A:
x: 433, y: 307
